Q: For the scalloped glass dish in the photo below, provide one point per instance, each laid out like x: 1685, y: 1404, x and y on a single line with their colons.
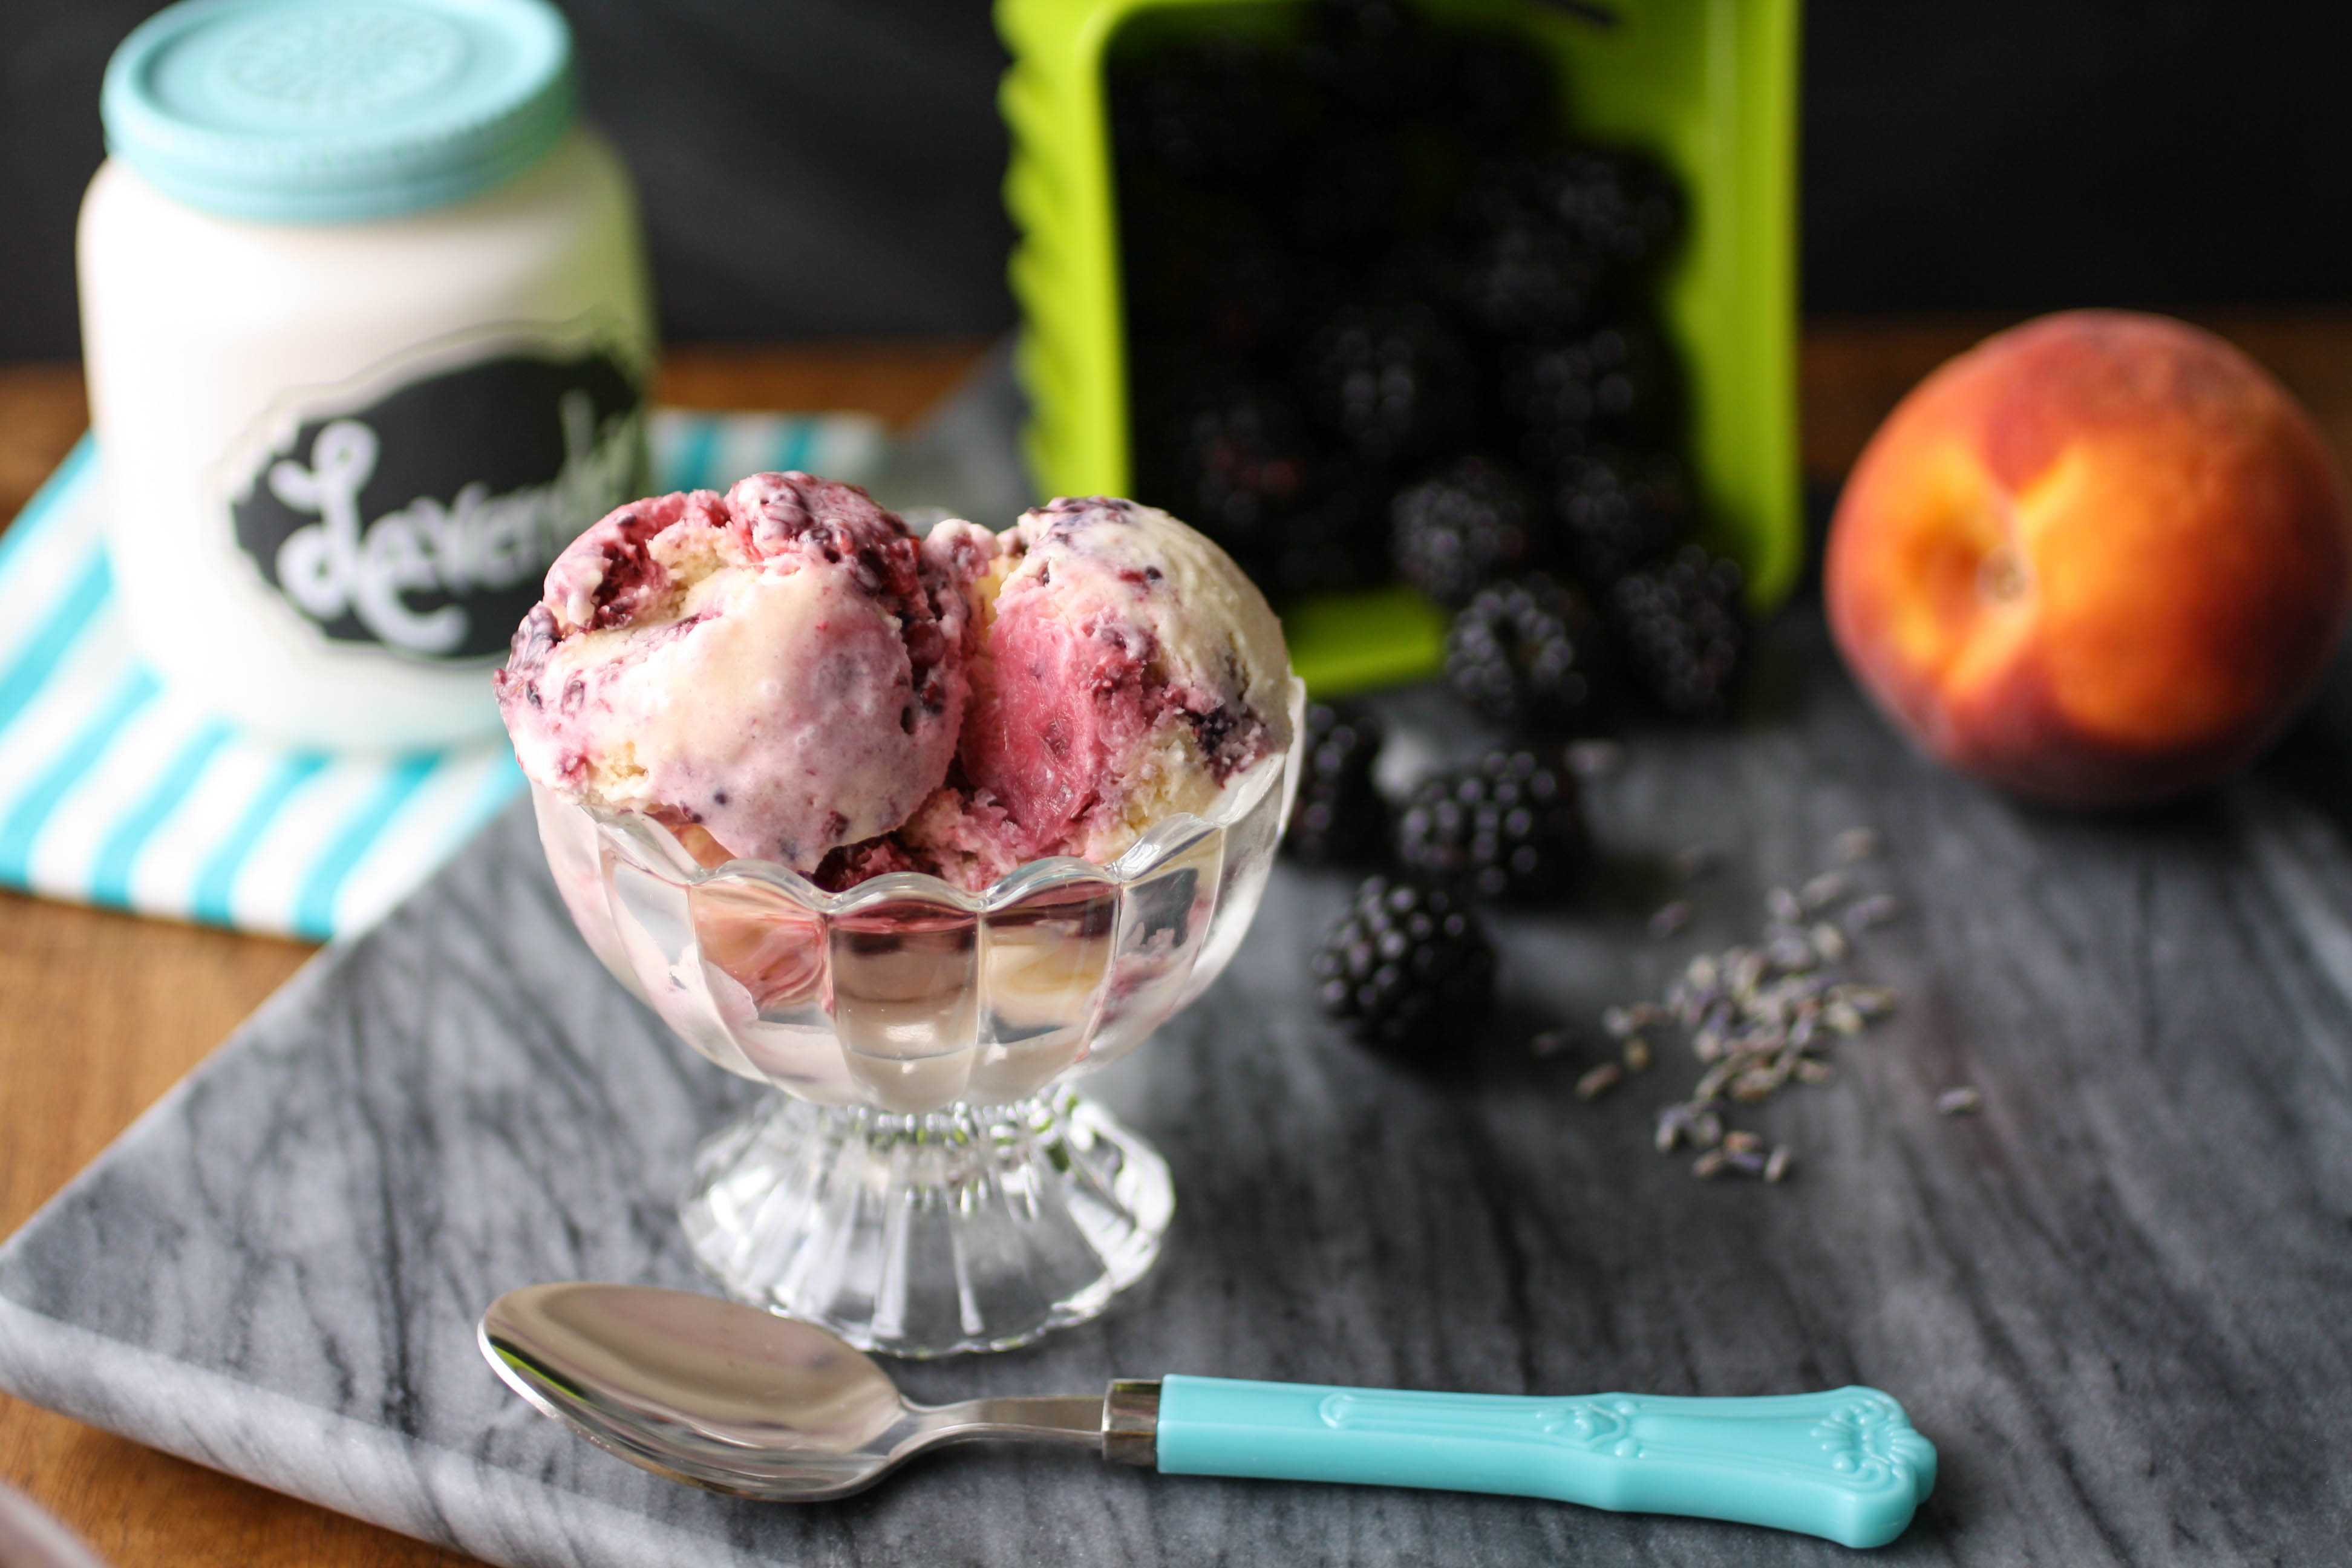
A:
x: 927, y: 1182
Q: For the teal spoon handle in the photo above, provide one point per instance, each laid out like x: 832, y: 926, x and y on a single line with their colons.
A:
x: 1846, y: 1464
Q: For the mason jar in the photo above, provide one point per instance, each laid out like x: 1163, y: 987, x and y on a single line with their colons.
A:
x: 367, y: 330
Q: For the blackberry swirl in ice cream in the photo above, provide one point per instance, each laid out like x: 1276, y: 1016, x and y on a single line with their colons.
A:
x: 787, y: 673
x: 1126, y: 672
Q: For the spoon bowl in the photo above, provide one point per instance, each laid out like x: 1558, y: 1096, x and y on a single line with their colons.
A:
x: 732, y: 1398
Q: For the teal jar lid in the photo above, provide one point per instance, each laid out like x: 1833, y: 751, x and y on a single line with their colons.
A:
x: 336, y: 111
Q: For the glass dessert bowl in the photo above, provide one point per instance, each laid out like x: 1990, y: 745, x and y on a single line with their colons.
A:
x: 926, y: 1181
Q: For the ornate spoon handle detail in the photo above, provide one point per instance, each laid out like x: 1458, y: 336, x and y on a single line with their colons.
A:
x: 1844, y: 1464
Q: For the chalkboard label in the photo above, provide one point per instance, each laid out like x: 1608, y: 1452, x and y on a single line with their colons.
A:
x: 425, y: 521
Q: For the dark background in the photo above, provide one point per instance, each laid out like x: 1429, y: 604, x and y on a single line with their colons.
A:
x: 822, y: 168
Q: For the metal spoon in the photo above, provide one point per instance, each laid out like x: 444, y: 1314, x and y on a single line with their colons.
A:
x: 738, y: 1400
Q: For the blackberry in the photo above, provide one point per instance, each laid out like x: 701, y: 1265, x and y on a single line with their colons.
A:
x: 1626, y: 209
x: 1234, y: 461
x: 1407, y: 969
x: 1391, y: 380
x: 1459, y: 530
x: 1682, y: 631
x: 1614, y: 382
x: 1531, y: 655
x: 1508, y: 828
x: 1617, y: 511
x: 1514, y: 277
x: 1541, y: 238
x: 1339, y: 818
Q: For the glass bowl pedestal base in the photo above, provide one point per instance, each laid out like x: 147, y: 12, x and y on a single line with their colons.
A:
x: 967, y: 1228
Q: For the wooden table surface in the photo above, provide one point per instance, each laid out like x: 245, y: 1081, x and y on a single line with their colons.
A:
x: 105, y: 1012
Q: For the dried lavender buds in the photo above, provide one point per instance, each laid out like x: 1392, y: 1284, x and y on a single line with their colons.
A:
x: 1598, y: 1081
x: 1864, y: 914
x: 1760, y: 1017
x: 1826, y: 889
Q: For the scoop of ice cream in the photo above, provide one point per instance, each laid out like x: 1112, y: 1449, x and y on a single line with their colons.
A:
x: 1126, y: 671
x: 779, y: 672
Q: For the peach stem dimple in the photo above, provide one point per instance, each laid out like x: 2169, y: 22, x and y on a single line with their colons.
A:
x: 2002, y: 575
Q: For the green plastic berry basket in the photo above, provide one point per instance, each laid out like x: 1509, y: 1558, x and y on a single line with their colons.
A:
x: 1710, y: 87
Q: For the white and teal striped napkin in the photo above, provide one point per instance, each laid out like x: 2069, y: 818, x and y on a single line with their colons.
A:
x: 114, y: 791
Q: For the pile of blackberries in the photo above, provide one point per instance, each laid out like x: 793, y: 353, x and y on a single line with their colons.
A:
x: 1410, y: 968
x: 1387, y: 319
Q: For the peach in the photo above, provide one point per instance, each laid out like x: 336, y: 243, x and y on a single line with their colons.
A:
x: 2096, y: 560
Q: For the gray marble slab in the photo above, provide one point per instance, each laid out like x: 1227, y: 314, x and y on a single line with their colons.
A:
x: 2117, y: 1299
